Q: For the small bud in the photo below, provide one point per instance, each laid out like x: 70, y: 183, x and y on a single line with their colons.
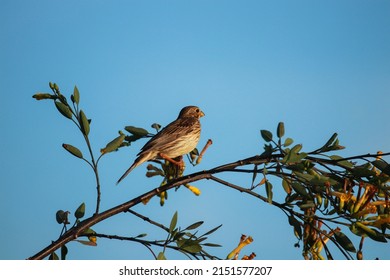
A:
x: 194, y: 190
x: 41, y: 96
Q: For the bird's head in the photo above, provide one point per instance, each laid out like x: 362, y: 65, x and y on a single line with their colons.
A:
x: 191, y: 112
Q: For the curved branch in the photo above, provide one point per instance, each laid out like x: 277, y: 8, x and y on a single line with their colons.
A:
x: 78, y: 230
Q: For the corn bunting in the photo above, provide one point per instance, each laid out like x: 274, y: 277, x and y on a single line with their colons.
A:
x: 176, y: 139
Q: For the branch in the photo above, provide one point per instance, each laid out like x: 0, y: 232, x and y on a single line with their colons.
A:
x: 78, y: 230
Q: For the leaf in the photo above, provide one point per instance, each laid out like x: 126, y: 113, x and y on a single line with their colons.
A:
x: 288, y: 142
x: 254, y: 174
x: 382, y: 166
x: 344, y: 163
x: 53, y: 256
x: 344, y: 241
x: 212, y: 230
x: 286, y: 186
x: 188, y: 245
x: 156, y: 126
x: 293, y: 155
x: 304, y: 176
x: 280, y: 130
x: 173, y: 223
x: 73, y: 150
x: 76, y: 95
x: 363, y: 171
x: 194, y: 225
x: 330, y: 144
x: 296, y: 149
x: 63, y: 109
x: 61, y: 216
x: 211, y: 245
x: 42, y: 96
x: 268, y: 189
x: 300, y: 189
x: 80, y: 211
x: 114, y: 144
x: 84, y: 123
x: 64, y: 252
x: 267, y: 135
x: 297, y: 226
x: 161, y: 256
x: 372, y: 233
x: 142, y: 235
x: 138, y: 131
x: 308, y: 205
x: 88, y: 243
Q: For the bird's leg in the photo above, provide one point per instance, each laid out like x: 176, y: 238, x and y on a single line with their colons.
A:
x: 177, y: 166
x: 199, y: 159
x: 179, y: 163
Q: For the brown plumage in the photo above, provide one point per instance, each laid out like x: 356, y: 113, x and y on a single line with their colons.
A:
x: 176, y: 139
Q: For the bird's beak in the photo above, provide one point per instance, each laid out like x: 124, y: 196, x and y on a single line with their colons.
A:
x: 201, y: 114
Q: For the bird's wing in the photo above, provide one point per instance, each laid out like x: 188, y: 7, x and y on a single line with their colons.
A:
x: 171, y: 132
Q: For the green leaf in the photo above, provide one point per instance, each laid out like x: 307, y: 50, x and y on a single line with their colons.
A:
x: 194, y: 225
x: 173, y: 223
x: 340, y: 161
x: 363, y: 171
x: 308, y: 205
x: 138, y: 131
x: 267, y: 135
x: 84, y: 123
x: 304, y: 176
x: 344, y: 241
x: 62, y: 216
x: 211, y: 245
x: 372, y: 233
x: 156, y: 126
x: 286, y: 186
x: 268, y: 190
x: 254, y: 174
x: 42, y: 96
x: 298, y: 188
x: 293, y: 155
x: 188, y: 245
x: 296, y: 149
x: 280, y: 130
x: 212, y: 230
x: 297, y: 226
x: 382, y: 166
x: 64, y: 252
x: 73, y: 150
x: 53, y: 257
x: 161, y: 256
x: 63, y: 109
x: 330, y: 144
x: 114, y: 144
x: 288, y: 142
x: 80, y: 211
x: 142, y: 235
x: 76, y: 95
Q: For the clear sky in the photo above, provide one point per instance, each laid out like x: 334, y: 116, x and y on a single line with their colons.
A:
x: 319, y: 66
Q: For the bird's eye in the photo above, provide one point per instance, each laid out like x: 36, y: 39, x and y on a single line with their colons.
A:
x: 197, y: 110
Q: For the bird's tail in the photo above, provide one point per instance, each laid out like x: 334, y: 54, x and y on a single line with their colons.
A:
x: 139, y: 160
x: 127, y: 172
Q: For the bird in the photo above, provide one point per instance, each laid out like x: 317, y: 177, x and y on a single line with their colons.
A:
x: 176, y: 139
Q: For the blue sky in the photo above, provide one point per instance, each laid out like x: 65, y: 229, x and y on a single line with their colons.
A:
x: 319, y: 66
